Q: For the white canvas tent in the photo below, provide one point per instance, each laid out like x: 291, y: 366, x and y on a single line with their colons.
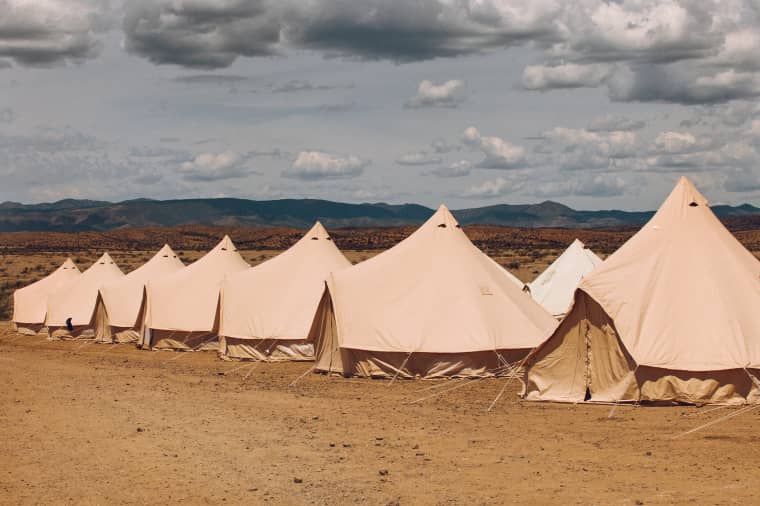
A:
x: 30, y: 302
x: 183, y: 308
x: 554, y: 288
x: 121, y: 303
x: 71, y: 310
x: 267, y: 310
x: 434, y: 305
x: 672, y: 316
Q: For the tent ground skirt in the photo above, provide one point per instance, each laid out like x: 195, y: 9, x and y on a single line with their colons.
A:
x: 29, y: 329
x: 372, y: 364
x: 266, y: 350
x: 184, y: 341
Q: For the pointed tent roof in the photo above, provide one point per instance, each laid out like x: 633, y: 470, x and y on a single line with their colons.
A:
x: 123, y: 298
x: 30, y: 302
x: 187, y: 299
x: 77, y: 300
x: 683, y: 292
x: 554, y: 288
x: 277, y: 299
x: 434, y: 292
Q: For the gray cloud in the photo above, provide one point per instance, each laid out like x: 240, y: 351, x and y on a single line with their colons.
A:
x: 614, y: 123
x: 418, y: 158
x: 200, y: 34
x: 298, y: 85
x: 195, y: 34
x: 441, y: 146
x: 664, y: 50
x: 154, y: 152
x: 55, y: 31
x: 593, y: 185
x: 460, y: 168
x: 682, y: 85
x: 210, y: 79
x: 7, y: 115
x: 338, y: 107
x: 741, y: 180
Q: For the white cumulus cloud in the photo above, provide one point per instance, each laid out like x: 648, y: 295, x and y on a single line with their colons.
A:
x: 499, y: 154
x: 315, y: 165
x: 448, y: 94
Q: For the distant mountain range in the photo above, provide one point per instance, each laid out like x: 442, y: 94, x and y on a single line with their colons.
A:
x: 88, y: 215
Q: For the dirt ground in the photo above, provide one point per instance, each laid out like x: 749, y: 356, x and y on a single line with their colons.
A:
x: 107, y: 424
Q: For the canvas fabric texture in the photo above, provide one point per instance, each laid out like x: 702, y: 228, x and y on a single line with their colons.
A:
x: 669, y: 317
x: 30, y: 302
x: 76, y: 302
x: 185, y: 304
x: 433, y: 295
x: 276, y: 300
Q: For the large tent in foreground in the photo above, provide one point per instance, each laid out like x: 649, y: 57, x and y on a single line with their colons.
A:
x: 554, y: 288
x: 71, y: 309
x: 121, y: 303
x: 183, y: 308
x: 30, y: 302
x: 434, y: 305
x: 267, y: 310
x: 672, y: 316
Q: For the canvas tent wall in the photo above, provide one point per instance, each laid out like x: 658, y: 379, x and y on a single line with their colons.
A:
x: 183, y: 307
x: 267, y: 310
x: 434, y: 305
x: 670, y: 317
x: 121, y: 303
x: 71, y: 310
x: 30, y: 302
x: 554, y: 288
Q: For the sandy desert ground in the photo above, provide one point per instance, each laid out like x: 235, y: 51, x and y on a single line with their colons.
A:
x: 109, y: 424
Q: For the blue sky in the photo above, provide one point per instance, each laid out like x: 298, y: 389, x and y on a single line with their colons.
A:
x: 470, y: 102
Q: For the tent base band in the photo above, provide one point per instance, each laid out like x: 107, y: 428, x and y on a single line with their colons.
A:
x: 64, y: 334
x: 29, y: 329
x: 119, y: 335
x: 266, y: 350
x: 421, y: 365
x: 183, y: 341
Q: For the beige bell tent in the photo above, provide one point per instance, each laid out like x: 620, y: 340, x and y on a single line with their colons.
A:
x: 183, y: 308
x: 434, y: 305
x: 120, y: 305
x: 672, y: 316
x: 267, y: 310
x: 71, y: 310
x: 554, y: 288
x: 30, y: 302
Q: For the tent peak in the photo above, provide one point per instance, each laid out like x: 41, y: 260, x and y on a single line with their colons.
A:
x: 577, y: 243
x: 686, y: 193
x: 166, y: 252
x: 443, y: 218
x: 317, y: 231
x: 105, y: 259
x: 225, y: 244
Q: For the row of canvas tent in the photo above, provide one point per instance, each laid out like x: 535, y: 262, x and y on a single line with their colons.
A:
x: 668, y: 317
x: 268, y: 311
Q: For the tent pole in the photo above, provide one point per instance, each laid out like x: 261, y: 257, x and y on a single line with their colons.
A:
x: 401, y: 368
